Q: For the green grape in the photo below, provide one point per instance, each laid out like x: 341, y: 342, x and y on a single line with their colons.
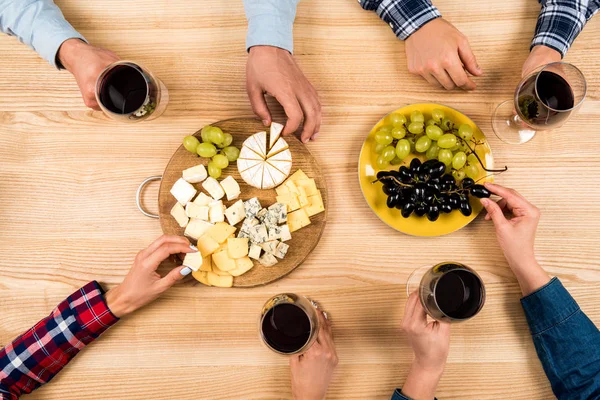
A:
x: 220, y: 161
x: 396, y: 161
x: 227, y: 140
x: 472, y: 159
x: 232, y: 153
x: 213, y: 170
x: 433, y: 151
x: 411, y: 140
x: 396, y: 119
x: 379, y: 147
x: 388, y: 153
x: 383, y: 137
x: 216, y: 135
x: 437, y: 114
x: 417, y: 116
x: 204, y: 133
x: 459, y: 175
x: 206, y: 150
x: 447, y: 124
x: 434, y: 132
x: 399, y: 132
x: 190, y: 143
x: 402, y: 149
x: 430, y: 121
x: 415, y: 127
x: 472, y: 171
x: 422, y: 144
x: 447, y: 141
x: 382, y: 163
x: 445, y: 156
x: 464, y: 147
x: 465, y: 131
x: 456, y: 147
x: 459, y: 160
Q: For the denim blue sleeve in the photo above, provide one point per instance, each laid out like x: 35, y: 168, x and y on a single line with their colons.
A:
x: 399, y: 396
x: 270, y: 23
x: 39, y: 24
x: 566, y: 341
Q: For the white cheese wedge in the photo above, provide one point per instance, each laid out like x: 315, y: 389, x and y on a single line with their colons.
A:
x: 180, y: 216
x: 215, y: 212
x: 231, y: 187
x: 203, y: 200
x: 276, y: 175
x: 235, y: 213
x: 244, y: 164
x: 248, y: 153
x: 196, y: 228
x: 275, y: 132
x: 195, y: 174
x: 193, y: 210
x: 193, y: 260
x: 253, y: 146
x: 183, y: 191
x: 278, y: 147
x: 261, y: 138
x: 213, y: 188
x: 267, y: 181
x: 285, y: 155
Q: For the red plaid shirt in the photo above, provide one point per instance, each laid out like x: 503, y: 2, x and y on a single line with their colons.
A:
x: 36, y: 356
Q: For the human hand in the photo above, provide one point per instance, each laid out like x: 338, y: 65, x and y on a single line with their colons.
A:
x: 85, y: 62
x: 516, y: 235
x: 440, y: 53
x: 312, y: 371
x: 274, y: 71
x: 143, y: 284
x: 430, y: 343
x: 539, y: 56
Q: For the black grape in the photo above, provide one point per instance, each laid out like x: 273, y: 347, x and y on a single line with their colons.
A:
x: 383, y: 174
x: 392, y: 201
x: 408, y: 209
x: 437, y: 169
x: 465, y: 207
x: 446, y: 208
x: 467, y: 182
x: 405, y: 174
x: 421, y: 210
x: 433, y: 213
x: 480, y: 191
x: 415, y: 163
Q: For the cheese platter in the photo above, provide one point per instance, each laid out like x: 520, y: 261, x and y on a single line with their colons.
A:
x: 259, y: 219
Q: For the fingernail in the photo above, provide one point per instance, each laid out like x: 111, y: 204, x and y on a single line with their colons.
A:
x: 305, y: 140
x: 485, y: 202
x: 315, y: 136
x: 186, y: 271
x: 265, y: 122
x: 193, y: 247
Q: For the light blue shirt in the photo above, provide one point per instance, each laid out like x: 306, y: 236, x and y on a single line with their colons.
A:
x: 39, y: 24
x: 270, y: 23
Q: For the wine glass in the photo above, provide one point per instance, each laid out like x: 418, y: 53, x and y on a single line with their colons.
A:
x: 545, y: 99
x: 448, y: 291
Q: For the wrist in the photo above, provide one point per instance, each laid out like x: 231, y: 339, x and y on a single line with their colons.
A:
x: 548, y: 53
x: 68, y: 50
x: 117, y: 302
x: 422, y: 380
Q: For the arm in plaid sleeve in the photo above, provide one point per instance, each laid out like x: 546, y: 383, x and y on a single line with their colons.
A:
x: 405, y: 17
x: 36, y: 356
x: 560, y: 21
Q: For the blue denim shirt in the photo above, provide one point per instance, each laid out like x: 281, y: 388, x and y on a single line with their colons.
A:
x: 566, y: 341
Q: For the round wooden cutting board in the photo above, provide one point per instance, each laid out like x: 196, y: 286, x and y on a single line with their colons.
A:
x: 303, y: 240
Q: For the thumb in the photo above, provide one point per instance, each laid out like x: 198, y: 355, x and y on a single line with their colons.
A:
x: 259, y: 105
x: 172, y: 278
x: 494, y: 212
x: 468, y: 58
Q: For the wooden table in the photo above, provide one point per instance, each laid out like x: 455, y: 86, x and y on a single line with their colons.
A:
x: 68, y: 178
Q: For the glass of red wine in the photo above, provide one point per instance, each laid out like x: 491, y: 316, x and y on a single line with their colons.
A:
x: 449, y: 291
x: 126, y: 91
x: 288, y: 324
x: 544, y: 100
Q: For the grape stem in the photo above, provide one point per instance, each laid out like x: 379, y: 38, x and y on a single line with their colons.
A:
x: 479, y: 159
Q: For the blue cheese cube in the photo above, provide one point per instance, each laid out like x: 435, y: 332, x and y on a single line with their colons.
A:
x: 270, y: 246
x: 258, y: 234
x: 281, y: 250
x: 254, y: 251
x: 252, y: 207
x: 274, y: 232
x: 285, y: 233
x: 249, y: 223
x: 268, y: 260
x: 261, y: 214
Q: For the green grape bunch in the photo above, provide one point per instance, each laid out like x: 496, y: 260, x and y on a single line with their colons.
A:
x: 437, y: 138
x: 215, y: 145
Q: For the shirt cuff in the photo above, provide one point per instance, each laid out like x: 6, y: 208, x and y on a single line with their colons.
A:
x: 405, y: 17
x: 548, y: 306
x: 559, y: 24
x: 270, y: 25
x: 399, y: 396
x: 91, y: 311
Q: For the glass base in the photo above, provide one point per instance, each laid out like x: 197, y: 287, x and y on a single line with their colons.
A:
x: 508, y: 126
x: 414, y: 280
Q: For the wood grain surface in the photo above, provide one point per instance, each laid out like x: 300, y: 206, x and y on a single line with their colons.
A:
x: 68, y: 178
x: 303, y: 241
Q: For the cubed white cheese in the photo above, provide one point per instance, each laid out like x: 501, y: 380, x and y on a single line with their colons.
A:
x: 203, y: 200
x: 213, y: 188
x: 183, y: 191
x: 195, y: 174
x: 235, y: 213
x: 193, y: 260
x: 254, y: 251
x: 193, y: 210
x: 197, y: 228
x: 180, y: 216
x: 285, y: 233
x: 215, y: 212
x: 231, y: 187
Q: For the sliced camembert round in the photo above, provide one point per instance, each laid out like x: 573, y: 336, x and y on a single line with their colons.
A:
x: 265, y: 162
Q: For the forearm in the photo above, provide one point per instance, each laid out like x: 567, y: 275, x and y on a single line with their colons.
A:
x: 39, y: 24
x: 270, y: 23
x: 420, y: 384
x: 36, y: 356
x: 530, y: 275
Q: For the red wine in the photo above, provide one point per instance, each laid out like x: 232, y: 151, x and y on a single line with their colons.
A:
x: 459, y: 294
x: 124, y: 89
x: 286, y: 328
x: 545, y: 99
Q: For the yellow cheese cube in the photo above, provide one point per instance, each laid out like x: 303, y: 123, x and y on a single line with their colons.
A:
x: 290, y: 200
x: 298, y: 176
x: 200, y: 276
x: 292, y: 187
x: 218, y: 280
x: 302, y: 198
x: 220, y: 231
x: 207, y: 245
x: 242, y: 265
x: 281, y: 190
x: 237, y: 247
x: 309, y: 185
x: 219, y: 272
x: 206, y: 264
x: 316, y: 205
x: 223, y: 261
x: 298, y: 219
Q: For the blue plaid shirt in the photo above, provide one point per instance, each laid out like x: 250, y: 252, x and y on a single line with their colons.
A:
x: 559, y: 22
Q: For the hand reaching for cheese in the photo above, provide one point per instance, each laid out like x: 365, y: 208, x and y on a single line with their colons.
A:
x: 313, y: 370
x: 143, y: 284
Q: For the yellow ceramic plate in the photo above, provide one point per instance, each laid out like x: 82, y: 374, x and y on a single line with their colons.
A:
x: 417, y: 226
